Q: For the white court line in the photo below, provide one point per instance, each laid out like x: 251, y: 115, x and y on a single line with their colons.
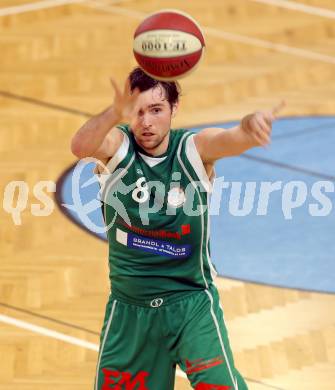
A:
x: 270, y: 45
x: 57, y: 335
x: 48, y: 332
x: 226, y: 35
x: 108, y: 7
x: 19, y: 9
x: 308, y: 9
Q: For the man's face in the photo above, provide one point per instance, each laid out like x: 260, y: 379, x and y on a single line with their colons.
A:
x: 151, y: 120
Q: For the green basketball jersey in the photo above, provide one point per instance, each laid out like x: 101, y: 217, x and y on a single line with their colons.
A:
x: 157, y: 218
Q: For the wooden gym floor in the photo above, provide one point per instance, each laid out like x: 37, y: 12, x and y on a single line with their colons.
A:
x: 53, y: 274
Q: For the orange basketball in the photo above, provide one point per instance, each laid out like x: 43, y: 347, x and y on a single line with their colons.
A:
x: 168, y: 44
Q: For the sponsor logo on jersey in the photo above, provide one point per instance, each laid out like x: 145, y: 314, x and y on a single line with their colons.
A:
x: 185, y: 229
x: 116, y: 380
x: 154, y: 246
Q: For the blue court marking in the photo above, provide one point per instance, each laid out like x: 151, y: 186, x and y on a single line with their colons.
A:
x: 268, y: 249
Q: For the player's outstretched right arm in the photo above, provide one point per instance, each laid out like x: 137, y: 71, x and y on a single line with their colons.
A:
x: 253, y: 130
x: 99, y: 137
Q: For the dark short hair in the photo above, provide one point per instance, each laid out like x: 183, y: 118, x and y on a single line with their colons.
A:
x: 139, y: 79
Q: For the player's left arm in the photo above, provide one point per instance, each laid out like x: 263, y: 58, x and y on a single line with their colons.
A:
x: 253, y: 130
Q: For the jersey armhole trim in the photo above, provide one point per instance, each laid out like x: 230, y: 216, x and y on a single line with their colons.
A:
x: 194, y: 158
x: 119, y: 155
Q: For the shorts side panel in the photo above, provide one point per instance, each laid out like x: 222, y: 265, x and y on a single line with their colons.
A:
x: 204, y: 352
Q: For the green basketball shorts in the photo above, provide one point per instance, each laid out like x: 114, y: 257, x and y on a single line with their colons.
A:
x: 141, y: 344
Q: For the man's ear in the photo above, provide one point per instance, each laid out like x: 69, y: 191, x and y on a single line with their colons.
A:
x: 174, y: 109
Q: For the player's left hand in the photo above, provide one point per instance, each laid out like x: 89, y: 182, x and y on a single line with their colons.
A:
x: 258, y: 126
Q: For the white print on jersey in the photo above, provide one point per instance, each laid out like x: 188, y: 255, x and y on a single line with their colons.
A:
x: 141, y: 188
x: 176, y: 197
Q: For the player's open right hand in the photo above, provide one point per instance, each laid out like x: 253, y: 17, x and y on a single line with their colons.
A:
x: 124, y: 102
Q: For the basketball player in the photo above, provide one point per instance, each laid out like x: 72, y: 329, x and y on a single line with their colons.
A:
x: 164, y: 308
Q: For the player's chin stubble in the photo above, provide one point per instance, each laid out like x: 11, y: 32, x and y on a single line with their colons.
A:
x: 156, y: 144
